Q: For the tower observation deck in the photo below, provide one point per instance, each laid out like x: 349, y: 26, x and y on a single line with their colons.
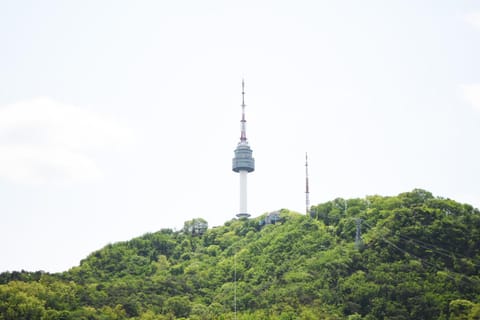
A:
x: 243, y: 162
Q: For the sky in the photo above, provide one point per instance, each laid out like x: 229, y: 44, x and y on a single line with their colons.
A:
x: 119, y: 118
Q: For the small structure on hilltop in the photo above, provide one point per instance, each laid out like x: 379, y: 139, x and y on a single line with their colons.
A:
x: 271, y: 218
x: 195, y: 227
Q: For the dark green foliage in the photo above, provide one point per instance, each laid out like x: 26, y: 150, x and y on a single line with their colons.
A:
x: 419, y: 259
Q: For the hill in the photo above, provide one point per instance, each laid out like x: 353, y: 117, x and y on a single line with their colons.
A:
x: 411, y: 256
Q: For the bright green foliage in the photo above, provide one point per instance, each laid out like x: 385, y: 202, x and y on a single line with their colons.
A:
x: 419, y: 259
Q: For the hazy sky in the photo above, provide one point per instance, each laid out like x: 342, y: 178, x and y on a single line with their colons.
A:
x: 119, y: 118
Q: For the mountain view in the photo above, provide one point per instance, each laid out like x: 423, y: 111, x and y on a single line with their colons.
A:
x: 410, y: 256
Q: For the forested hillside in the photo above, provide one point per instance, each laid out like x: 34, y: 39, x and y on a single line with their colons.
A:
x: 411, y: 256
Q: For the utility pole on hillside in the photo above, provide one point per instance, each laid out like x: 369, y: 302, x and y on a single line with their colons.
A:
x: 307, y: 189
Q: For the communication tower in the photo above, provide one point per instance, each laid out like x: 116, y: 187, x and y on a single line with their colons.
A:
x: 243, y: 162
x: 307, y: 190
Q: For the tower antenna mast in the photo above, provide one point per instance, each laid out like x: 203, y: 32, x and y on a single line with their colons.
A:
x: 307, y: 190
x: 243, y: 134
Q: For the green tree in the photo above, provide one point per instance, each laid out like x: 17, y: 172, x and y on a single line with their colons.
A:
x: 179, y: 306
x: 460, y: 309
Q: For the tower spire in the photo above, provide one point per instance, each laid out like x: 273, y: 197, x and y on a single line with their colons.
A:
x: 243, y: 122
x: 243, y: 93
x: 307, y: 191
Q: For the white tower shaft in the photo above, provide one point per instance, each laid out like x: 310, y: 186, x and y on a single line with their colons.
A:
x: 243, y: 191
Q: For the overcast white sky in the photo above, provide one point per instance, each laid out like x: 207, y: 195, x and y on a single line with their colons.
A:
x: 119, y: 118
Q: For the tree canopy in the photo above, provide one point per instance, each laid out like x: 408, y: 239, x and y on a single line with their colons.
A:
x: 419, y: 258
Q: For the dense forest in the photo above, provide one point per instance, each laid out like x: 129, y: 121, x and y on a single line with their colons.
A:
x: 411, y: 256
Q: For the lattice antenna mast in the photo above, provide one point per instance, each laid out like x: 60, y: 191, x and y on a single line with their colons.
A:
x: 358, y: 233
x: 243, y: 122
x: 235, y: 284
x: 307, y: 190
